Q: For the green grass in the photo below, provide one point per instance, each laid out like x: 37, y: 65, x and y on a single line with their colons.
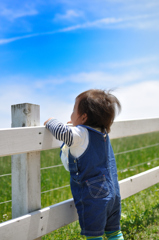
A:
x: 140, y: 212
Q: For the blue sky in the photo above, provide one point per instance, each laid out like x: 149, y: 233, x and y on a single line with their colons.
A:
x: 50, y: 51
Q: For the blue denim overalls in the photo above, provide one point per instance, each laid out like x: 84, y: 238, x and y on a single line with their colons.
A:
x: 94, y: 186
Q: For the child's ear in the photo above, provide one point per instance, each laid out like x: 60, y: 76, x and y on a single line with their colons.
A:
x: 84, y: 118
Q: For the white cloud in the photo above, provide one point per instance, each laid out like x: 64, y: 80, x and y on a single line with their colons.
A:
x: 50, y: 106
x: 115, y: 75
x: 71, y: 28
x: 110, y: 8
x: 68, y: 16
x: 8, y: 40
x: 109, y: 78
x: 10, y: 95
x: 130, y: 63
x: 142, y: 22
x: 94, y: 79
x: 116, y: 14
x: 56, y: 108
x: 139, y: 100
x: 100, y: 23
x: 138, y: 22
x: 11, y: 14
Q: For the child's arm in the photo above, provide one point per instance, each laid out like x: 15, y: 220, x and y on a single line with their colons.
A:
x: 60, y: 131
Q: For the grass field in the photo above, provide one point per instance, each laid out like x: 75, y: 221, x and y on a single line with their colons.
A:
x: 140, y: 213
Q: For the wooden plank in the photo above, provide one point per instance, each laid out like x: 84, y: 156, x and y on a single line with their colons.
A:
x: 139, y: 182
x: 26, y: 139
x: 29, y: 139
x: 46, y: 220
x: 39, y: 223
x: 134, y: 127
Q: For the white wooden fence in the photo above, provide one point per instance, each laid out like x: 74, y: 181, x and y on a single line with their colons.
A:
x: 30, y: 222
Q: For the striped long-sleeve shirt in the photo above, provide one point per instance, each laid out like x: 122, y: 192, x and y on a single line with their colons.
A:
x: 75, y: 139
x: 60, y: 131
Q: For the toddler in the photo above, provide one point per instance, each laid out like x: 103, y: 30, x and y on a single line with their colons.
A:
x: 88, y: 155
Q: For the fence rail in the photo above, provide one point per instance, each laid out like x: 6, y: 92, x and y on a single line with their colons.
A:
x: 30, y: 139
x: 27, y: 143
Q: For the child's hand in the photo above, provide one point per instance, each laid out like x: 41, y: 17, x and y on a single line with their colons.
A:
x: 47, y: 120
x: 69, y: 122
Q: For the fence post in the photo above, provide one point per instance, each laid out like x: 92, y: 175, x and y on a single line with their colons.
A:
x: 26, y: 181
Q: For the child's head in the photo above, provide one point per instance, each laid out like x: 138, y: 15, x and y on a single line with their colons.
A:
x: 96, y: 108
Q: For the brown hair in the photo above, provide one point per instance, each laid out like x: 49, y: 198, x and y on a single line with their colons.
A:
x: 100, y: 107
